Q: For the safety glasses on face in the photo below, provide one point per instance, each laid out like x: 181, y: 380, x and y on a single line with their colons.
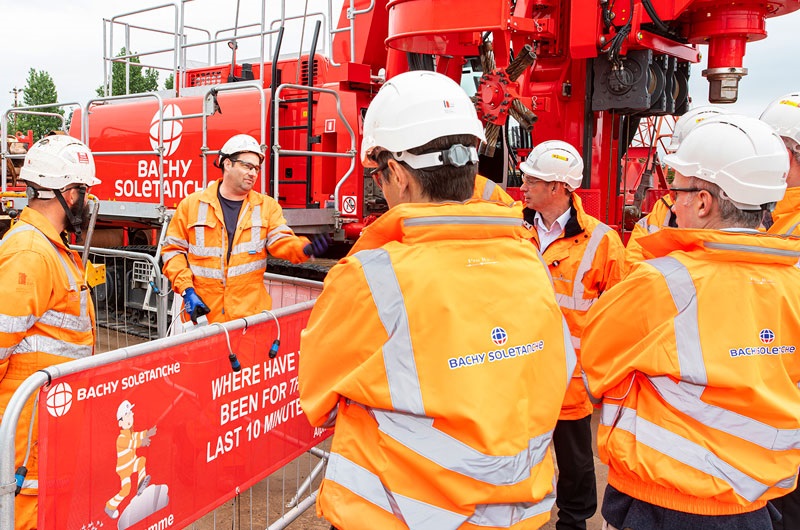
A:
x: 531, y: 181
x: 247, y: 165
x: 376, y: 174
x: 673, y: 192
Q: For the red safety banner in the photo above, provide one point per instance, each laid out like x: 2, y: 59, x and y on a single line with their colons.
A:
x: 159, y: 440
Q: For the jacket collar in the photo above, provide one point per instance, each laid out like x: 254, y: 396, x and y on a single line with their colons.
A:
x: 34, y: 218
x: 577, y: 217
x: 789, y: 205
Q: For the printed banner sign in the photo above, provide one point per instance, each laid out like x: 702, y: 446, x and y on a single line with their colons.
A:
x: 158, y: 440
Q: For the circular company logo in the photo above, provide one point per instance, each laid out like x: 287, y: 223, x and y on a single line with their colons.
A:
x: 172, y: 129
x: 59, y: 399
x: 499, y: 336
x: 766, y: 336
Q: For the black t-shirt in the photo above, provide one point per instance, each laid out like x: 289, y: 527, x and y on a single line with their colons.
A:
x: 230, y: 213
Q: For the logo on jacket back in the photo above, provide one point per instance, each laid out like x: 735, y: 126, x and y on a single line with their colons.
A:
x: 499, y: 336
x: 767, y: 337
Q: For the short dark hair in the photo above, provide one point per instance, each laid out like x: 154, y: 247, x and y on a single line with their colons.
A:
x: 728, y: 211
x: 441, y: 183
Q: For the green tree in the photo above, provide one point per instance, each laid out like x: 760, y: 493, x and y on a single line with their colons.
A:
x: 40, y: 90
x: 141, y: 79
x: 169, y: 82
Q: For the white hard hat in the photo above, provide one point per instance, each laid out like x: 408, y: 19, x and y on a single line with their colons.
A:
x: 241, y: 143
x: 740, y: 154
x: 555, y: 161
x: 55, y: 162
x: 689, y: 121
x: 124, y: 409
x: 783, y: 115
x: 413, y: 108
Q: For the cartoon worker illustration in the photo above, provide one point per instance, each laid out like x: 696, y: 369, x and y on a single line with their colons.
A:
x: 128, y: 463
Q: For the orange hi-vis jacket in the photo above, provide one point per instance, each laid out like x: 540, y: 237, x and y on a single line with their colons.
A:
x: 694, y: 355
x: 585, y: 261
x: 443, y: 359
x: 196, y: 246
x: 786, y: 216
x: 660, y: 217
x: 489, y: 190
x: 46, y: 318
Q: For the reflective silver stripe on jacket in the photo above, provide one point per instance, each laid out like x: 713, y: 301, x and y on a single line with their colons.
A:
x: 199, y: 228
x: 10, y: 324
x: 577, y: 302
x: 40, y: 343
x: 416, y: 514
x: 687, y: 452
x: 174, y: 241
x: 206, y: 272
x: 686, y: 394
x: 278, y: 233
x: 462, y: 220
x: 246, y: 268
x: 488, y: 190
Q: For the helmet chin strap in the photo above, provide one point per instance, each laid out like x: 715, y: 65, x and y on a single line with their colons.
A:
x: 74, y: 221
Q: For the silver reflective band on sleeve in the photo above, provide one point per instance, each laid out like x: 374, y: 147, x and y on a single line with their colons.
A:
x: 169, y: 255
x: 5, y: 352
x: 9, y: 324
x: 488, y: 189
x: 278, y: 233
x: 398, y: 353
x: 420, y: 515
x: 40, y: 343
x: 687, y: 331
x: 238, y: 270
x: 686, y: 451
x: 577, y: 302
x: 58, y: 319
x: 206, y: 272
x: 30, y: 484
x: 419, y: 434
x: 172, y: 240
x: 462, y: 220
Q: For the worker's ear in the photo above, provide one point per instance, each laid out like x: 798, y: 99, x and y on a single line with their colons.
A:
x: 704, y: 204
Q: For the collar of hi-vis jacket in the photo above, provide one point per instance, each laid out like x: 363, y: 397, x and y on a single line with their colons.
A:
x: 789, y: 205
x: 36, y: 219
x: 722, y: 245
x: 420, y: 222
x: 575, y: 225
x: 209, y: 195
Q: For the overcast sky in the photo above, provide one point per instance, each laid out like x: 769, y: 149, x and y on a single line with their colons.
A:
x: 66, y: 40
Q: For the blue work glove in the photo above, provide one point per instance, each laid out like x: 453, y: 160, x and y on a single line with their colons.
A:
x: 319, y: 244
x: 194, y: 305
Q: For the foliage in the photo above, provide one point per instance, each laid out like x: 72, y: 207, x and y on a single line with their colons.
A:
x: 141, y: 79
x: 39, y: 90
x: 169, y: 82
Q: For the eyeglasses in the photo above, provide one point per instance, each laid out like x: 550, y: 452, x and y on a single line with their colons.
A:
x: 673, y: 192
x: 531, y: 181
x: 247, y: 165
x: 376, y: 174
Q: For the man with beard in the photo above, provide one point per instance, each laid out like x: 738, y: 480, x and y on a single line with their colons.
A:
x: 215, y: 253
x: 46, y: 315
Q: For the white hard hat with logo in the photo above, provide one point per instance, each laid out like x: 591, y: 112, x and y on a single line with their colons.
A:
x: 689, y: 121
x: 241, y: 143
x: 555, y: 161
x: 58, y: 161
x: 740, y: 154
x: 125, y: 408
x: 413, y: 108
x: 783, y: 115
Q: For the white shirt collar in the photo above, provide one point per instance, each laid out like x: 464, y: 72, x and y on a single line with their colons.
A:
x: 548, y: 235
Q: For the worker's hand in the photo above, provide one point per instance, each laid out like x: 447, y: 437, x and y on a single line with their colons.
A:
x: 319, y: 244
x: 194, y: 305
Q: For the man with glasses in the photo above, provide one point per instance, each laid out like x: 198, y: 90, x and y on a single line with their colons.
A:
x: 444, y: 383
x: 694, y: 354
x: 215, y: 252
x: 46, y: 313
x: 661, y: 214
x: 585, y: 258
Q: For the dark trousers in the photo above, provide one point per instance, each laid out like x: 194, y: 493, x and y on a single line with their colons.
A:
x: 576, y: 489
x: 789, y: 508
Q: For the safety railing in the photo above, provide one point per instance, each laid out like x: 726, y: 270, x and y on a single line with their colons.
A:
x: 217, y: 441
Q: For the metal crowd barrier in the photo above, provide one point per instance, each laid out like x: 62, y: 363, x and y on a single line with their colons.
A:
x: 184, y: 386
